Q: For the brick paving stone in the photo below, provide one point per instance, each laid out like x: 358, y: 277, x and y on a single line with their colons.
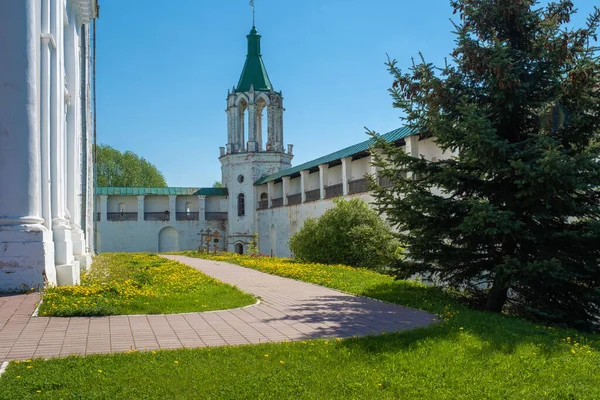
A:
x: 289, y: 310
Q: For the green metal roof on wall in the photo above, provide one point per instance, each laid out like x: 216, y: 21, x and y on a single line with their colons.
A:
x: 166, y: 191
x: 254, y: 72
x: 347, y: 152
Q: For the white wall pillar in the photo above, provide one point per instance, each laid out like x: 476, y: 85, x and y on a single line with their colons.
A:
x: 172, y: 208
x: 252, y: 144
x: 270, y: 191
x: 303, y: 177
x: 73, y: 139
x: 202, y: 207
x: 322, y: 169
x: 103, y: 207
x: 285, y: 183
x: 411, y: 148
x: 25, y: 244
x: 140, y: 207
x: 346, y: 164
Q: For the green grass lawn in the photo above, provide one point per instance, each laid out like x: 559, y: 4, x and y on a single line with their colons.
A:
x: 125, y: 283
x: 469, y: 355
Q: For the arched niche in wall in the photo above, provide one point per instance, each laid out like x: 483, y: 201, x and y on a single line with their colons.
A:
x: 168, y: 239
x: 239, y: 248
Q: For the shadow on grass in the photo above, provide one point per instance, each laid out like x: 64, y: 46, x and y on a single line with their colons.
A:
x: 347, y: 317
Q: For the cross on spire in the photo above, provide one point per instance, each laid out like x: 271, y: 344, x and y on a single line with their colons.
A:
x: 252, y: 5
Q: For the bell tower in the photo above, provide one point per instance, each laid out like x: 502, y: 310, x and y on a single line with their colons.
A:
x: 252, y: 100
x: 251, y: 153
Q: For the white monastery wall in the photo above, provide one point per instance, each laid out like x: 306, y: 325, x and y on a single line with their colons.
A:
x: 276, y: 225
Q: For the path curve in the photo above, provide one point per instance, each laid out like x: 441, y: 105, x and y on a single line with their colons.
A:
x: 289, y: 310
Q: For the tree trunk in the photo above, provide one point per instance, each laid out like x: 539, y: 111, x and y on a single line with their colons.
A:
x: 497, y: 298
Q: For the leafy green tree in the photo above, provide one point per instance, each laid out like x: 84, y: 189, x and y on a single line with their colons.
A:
x: 350, y: 233
x: 126, y: 169
x: 517, y: 210
x: 217, y: 184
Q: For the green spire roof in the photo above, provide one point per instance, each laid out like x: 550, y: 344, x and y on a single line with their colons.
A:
x: 254, y: 72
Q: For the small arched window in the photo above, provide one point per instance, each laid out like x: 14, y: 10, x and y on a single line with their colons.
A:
x: 188, y: 208
x: 241, y: 205
x: 122, y: 208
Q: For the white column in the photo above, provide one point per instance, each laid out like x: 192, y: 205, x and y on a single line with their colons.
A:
x: 285, y: 183
x: 73, y: 136
x: 140, y: 207
x: 303, y: 175
x: 346, y: 163
x: 252, y: 143
x: 270, y: 191
x: 411, y: 148
x: 172, y: 207
x: 24, y: 242
x: 47, y: 50
x: 322, y: 169
x: 103, y: 207
x: 63, y: 245
x: 372, y: 166
x: 259, y: 132
x: 202, y: 207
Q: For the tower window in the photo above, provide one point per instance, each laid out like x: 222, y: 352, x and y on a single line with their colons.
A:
x: 240, y: 178
x: 241, y: 205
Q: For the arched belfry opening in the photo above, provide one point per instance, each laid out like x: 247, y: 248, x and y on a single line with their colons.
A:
x: 254, y: 108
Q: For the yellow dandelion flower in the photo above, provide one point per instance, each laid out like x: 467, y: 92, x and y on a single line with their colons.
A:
x: 29, y: 366
x: 18, y: 376
x: 38, y: 391
x: 266, y: 356
x: 153, y: 352
x: 281, y: 362
x: 379, y: 384
x: 572, y: 351
x: 99, y: 371
x: 176, y: 362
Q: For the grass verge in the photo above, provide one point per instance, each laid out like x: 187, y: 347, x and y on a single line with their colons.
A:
x: 126, y: 283
x: 470, y: 355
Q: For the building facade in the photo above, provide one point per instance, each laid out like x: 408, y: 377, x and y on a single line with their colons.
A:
x: 46, y: 169
x: 264, y: 198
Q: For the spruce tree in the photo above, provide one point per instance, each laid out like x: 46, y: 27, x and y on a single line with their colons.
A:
x: 514, y: 212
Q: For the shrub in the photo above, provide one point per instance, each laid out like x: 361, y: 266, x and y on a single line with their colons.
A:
x: 350, y: 233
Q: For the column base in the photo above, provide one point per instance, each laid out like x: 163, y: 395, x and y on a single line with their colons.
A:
x: 68, y: 274
x: 26, y: 258
x: 63, y: 243
x: 85, y: 260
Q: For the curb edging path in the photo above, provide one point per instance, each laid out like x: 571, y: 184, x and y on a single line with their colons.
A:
x: 290, y: 310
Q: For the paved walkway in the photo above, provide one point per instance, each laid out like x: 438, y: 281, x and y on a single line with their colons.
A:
x: 289, y: 310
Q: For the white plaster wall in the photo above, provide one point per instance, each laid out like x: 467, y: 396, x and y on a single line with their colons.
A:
x: 129, y: 201
x: 216, y: 204
x: 285, y: 218
x: 277, y: 190
x: 429, y: 150
x: 294, y: 186
x: 333, y: 175
x: 359, y: 168
x: 312, y: 181
x: 154, y: 203
x: 183, y: 200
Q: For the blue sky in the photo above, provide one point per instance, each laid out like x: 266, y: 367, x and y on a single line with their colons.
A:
x: 164, y: 68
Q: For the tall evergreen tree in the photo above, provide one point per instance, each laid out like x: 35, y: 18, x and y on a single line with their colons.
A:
x: 516, y: 209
